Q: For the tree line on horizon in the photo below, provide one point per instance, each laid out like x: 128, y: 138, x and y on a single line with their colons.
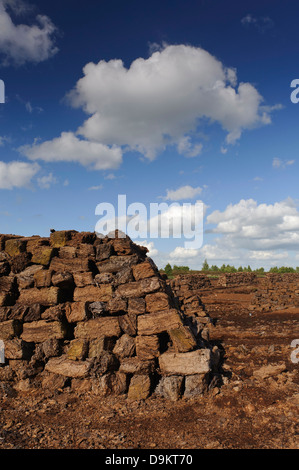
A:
x: 225, y: 268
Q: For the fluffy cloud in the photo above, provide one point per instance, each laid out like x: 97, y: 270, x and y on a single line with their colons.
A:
x: 176, y: 220
x: 152, y: 251
x: 156, y: 102
x: 110, y: 176
x: 278, y: 163
x: 18, y: 7
x: 181, y: 254
x: 257, y: 227
x: 185, y: 192
x: 46, y: 181
x: 162, y: 100
x: 246, y: 233
x: 69, y: 148
x: 194, y: 257
x: 17, y: 174
x: 23, y: 43
x: 267, y: 255
x: 262, y: 24
x: 4, y: 140
x: 186, y: 148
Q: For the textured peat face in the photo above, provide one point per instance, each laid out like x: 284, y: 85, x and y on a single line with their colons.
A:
x: 248, y: 292
x: 95, y: 314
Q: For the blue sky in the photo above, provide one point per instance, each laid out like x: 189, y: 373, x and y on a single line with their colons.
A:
x: 173, y: 101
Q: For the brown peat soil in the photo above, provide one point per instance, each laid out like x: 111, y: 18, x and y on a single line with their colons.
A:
x: 255, y: 408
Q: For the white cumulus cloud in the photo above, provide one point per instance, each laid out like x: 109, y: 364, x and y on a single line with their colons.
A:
x: 278, y: 163
x: 157, y: 102
x: 246, y: 233
x: 152, y: 251
x: 46, y: 181
x: 186, y: 148
x: 267, y: 255
x: 21, y: 43
x: 262, y: 23
x: 181, y: 253
x: 257, y: 227
x: 184, y: 192
x: 161, y: 101
x: 17, y: 174
x: 69, y: 148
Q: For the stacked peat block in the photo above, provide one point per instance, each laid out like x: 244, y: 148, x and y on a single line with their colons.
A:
x: 186, y: 289
x: 276, y: 292
x: 237, y: 279
x: 94, y: 314
x: 194, y: 282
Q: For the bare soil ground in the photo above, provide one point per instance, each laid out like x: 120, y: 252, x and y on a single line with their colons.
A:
x: 249, y: 411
